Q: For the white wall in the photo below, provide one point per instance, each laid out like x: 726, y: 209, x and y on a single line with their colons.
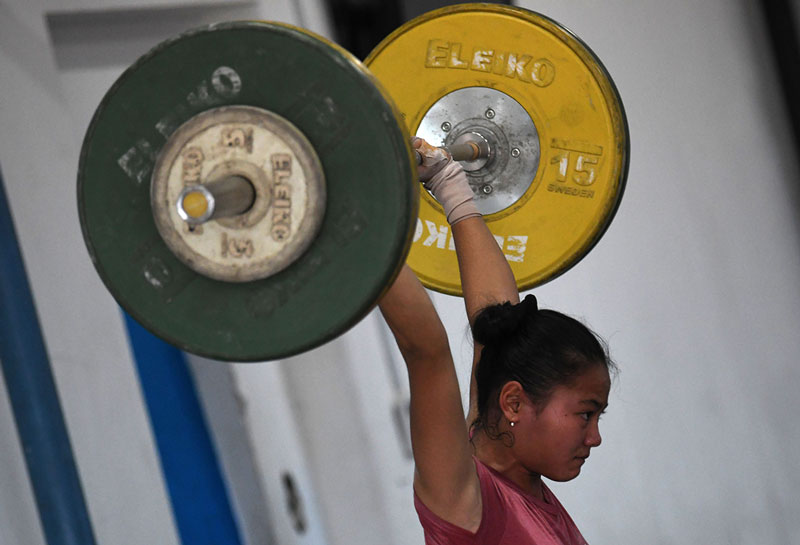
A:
x: 694, y: 286
x: 81, y: 325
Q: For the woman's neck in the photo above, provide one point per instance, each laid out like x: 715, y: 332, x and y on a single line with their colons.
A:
x: 496, y: 454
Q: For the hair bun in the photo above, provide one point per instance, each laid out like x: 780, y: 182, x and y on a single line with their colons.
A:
x: 498, y: 322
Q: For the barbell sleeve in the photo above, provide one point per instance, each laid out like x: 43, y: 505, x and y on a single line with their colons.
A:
x: 223, y: 198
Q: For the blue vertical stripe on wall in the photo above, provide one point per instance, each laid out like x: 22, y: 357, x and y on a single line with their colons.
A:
x: 192, y: 473
x: 34, y: 400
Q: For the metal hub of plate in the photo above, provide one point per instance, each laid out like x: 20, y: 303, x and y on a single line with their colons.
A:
x: 282, y: 167
x: 480, y: 112
x: 570, y: 133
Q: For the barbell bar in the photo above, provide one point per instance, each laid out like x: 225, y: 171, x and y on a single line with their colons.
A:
x: 234, y: 195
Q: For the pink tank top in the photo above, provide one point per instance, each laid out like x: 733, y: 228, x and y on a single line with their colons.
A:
x: 510, y: 516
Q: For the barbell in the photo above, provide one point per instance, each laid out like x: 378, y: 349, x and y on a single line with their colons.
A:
x: 247, y: 190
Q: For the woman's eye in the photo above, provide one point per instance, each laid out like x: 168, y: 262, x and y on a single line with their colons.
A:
x: 586, y: 416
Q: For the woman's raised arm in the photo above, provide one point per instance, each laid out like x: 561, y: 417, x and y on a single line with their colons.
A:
x: 486, y: 277
x: 445, y: 478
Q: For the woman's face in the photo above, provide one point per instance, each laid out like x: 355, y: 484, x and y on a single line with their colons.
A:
x: 556, y: 440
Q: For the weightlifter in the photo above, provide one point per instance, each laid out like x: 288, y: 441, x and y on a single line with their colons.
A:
x: 540, y: 381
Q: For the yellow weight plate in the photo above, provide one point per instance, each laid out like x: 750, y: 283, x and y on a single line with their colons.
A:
x: 579, y: 131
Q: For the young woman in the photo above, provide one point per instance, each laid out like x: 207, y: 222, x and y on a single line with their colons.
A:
x: 540, y: 381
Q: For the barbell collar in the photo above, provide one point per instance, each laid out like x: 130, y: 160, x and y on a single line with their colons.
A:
x: 472, y: 150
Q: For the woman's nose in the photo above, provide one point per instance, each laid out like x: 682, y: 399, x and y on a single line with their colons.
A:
x: 593, y: 438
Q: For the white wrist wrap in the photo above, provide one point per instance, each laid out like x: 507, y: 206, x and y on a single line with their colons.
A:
x: 449, y: 186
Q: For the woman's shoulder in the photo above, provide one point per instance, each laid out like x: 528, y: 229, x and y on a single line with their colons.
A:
x: 493, y: 516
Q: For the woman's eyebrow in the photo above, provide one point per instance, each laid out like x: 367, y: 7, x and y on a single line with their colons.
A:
x: 596, y: 404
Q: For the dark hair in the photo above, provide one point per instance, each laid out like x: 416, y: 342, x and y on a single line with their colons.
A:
x: 541, y: 349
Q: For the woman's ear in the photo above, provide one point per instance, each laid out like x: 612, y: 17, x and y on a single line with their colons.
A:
x: 512, y: 397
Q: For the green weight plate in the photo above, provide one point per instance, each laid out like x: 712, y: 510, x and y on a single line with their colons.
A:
x: 362, y: 146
